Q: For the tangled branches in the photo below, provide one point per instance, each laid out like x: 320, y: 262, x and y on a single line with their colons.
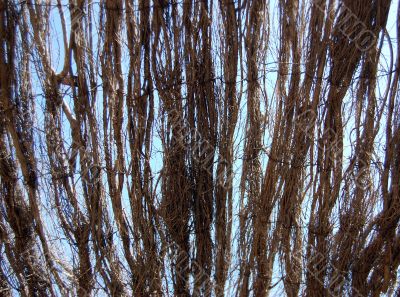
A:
x: 199, y: 148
